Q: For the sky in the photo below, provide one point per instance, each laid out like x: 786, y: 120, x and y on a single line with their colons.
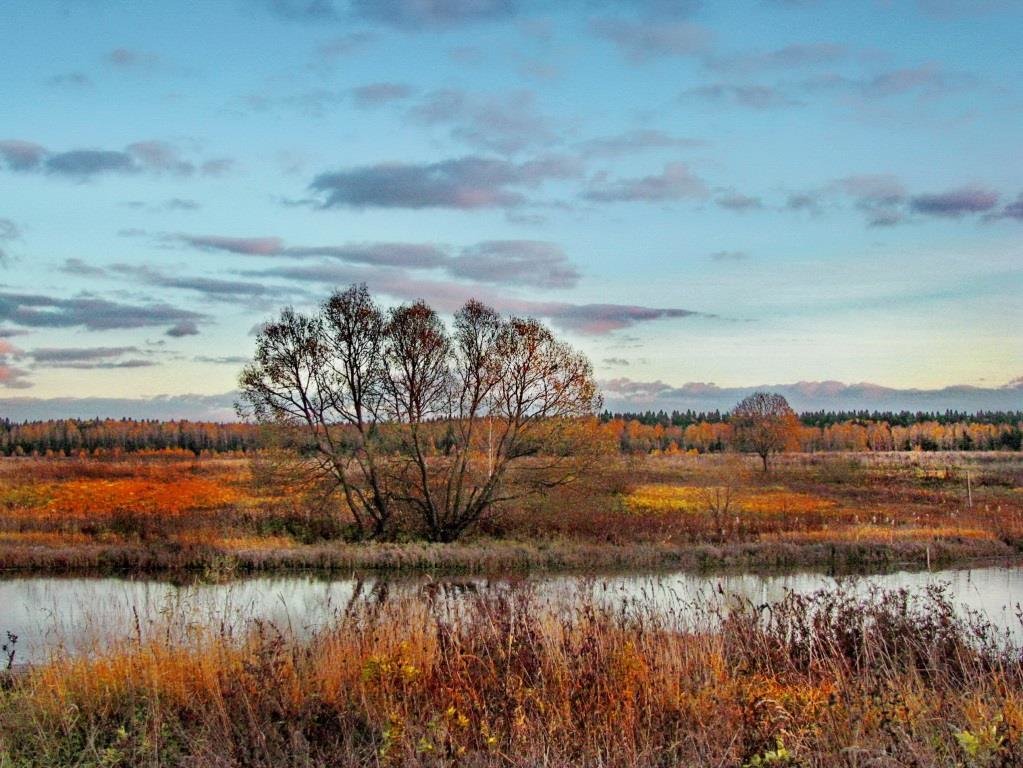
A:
x: 703, y: 197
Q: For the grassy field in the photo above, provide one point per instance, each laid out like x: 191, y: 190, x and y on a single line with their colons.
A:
x: 215, y: 516
x: 825, y: 680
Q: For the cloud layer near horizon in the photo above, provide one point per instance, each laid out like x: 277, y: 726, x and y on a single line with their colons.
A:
x: 621, y: 395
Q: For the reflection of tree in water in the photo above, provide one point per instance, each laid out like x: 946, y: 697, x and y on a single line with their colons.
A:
x: 446, y: 592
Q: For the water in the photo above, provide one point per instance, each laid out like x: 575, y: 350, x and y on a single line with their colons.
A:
x: 48, y: 613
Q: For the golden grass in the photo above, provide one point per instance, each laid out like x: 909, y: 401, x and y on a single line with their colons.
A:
x: 512, y: 680
x: 662, y: 497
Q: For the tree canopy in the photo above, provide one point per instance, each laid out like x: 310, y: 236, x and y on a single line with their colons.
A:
x: 377, y: 392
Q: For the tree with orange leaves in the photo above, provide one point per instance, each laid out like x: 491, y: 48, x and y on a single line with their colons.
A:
x: 764, y: 423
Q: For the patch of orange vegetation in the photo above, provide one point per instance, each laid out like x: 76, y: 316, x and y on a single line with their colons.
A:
x: 140, y: 496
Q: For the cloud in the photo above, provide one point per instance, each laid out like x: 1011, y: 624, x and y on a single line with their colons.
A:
x: 411, y: 255
x: 81, y: 269
x: 78, y: 354
x: 12, y: 377
x: 465, y: 183
x: 328, y: 52
x: 249, y: 246
x: 734, y: 201
x: 180, y: 204
x: 799, y: 55
x: 218, y: 407
x: 516, y: 262
x: 21, y: 155
x: 8, y: 232
x: 615, y: 361
x: 130, y: 59
x: 635, y: 141
x: 513, y: 262
x: 95, y: 314
x: 83, y: 163
x: 955, y: 203
x: 87, y: 358
x: 600, y: 319
x: 641, y: 41
x: 729, y: 255
x: 414, y: 15
x: 624, y: 394
x: 750, y: 96
x: 71, y: 80
x: 406, y: 15
x: 1013, y: 210
x: 885, y: 202
x: 225, y: 360
x: 305, y: 10
x: 803, y: 201
x: 925, y: 80
x: 157, y: 157
x: 217, y: 166
x: 675, y: 182
x: 879, y: 196
x: 183, y: 328
x: 504, y: 124
x: 208, y: 286
x: 378, y: 94
x: 590, y: 319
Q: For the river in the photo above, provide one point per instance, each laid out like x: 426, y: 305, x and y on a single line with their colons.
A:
x: 80, y: 614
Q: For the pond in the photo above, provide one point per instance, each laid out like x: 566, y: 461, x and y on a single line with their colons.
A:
x: 79, y: 614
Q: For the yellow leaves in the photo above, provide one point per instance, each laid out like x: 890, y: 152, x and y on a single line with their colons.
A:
x: 661, y: 498
x: 395, y: 667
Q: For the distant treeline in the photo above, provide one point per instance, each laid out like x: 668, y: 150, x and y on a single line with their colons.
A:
x: 647, y: 432
x: 105, y: 436
x: 826, y: 432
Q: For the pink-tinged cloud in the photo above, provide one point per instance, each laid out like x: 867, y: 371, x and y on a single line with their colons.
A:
x: 955, y: 203
x: 675, y: 182
x: 249, y: 246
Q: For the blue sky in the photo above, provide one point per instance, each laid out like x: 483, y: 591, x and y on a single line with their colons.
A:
x: 744, y: 193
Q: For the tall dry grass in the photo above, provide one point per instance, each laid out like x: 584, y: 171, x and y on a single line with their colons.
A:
x: 507, y: 679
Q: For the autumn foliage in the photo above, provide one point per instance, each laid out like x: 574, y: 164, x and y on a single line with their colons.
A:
x: 513, y: 679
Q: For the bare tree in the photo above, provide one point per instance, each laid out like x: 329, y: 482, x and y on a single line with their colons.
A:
x: 763, y: 423
x: 323, y: 376
x: 407, y: 416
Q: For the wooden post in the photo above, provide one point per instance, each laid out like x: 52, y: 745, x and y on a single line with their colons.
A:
x: 969, y: 490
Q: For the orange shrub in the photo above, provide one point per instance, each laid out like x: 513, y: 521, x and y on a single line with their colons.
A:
x: 139, y: 496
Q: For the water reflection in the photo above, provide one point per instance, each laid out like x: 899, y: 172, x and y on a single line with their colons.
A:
x: 82, y: 613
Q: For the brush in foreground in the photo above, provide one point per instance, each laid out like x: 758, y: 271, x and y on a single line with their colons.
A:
x: 831, y: 679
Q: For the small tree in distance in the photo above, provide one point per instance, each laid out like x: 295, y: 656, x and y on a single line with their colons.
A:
x: 409, y: 420
x: 763, y: 423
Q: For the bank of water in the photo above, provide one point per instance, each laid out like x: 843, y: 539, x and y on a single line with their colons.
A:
x: 83, y: 614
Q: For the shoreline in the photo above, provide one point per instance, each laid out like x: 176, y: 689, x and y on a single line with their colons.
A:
x: 500, y: 557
